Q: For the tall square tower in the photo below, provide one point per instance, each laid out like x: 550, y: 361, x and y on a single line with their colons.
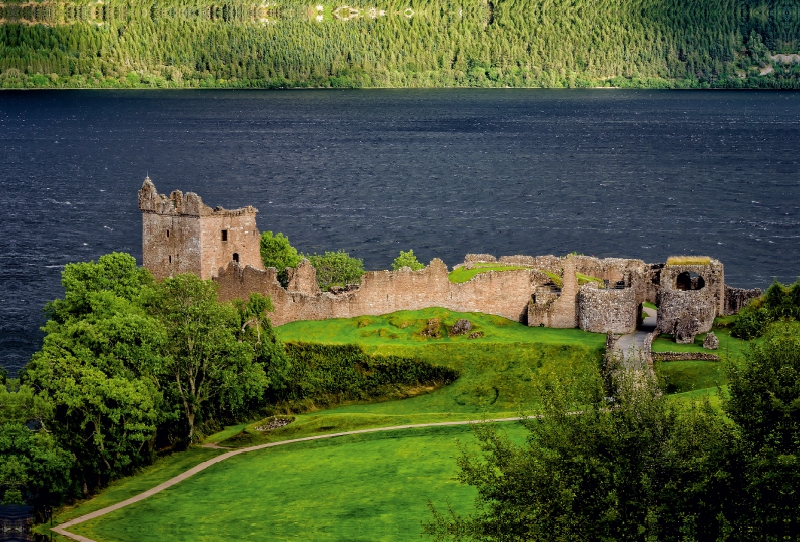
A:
x: 180, y: 234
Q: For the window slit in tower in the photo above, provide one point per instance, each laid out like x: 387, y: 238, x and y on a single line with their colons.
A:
x: 170, y: 259
x: 168, y: 234
x: 224, y: 235
x: 236, y: 257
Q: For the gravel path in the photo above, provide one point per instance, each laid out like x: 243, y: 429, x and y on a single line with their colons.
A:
x: 62, y: 528
x: 632, y: 344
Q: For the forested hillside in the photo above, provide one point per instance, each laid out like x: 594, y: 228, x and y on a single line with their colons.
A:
x: 401, y: 43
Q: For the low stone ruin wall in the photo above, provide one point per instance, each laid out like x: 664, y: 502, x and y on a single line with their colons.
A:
x: 736, y: 298
x: 601, y: 311
x: 504, y: 293
x: 677, y: 308
x: 684, y: 356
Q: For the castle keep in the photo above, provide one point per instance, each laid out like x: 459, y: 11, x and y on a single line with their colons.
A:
x: 180, y: 234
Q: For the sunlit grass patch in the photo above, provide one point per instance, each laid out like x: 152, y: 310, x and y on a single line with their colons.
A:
x: 688, y: 260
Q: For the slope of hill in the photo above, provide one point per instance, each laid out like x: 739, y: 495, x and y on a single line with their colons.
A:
x: 400, y: 43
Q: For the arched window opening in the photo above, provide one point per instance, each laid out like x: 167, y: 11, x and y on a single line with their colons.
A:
x: 236, y: 257
x: 689, y: 281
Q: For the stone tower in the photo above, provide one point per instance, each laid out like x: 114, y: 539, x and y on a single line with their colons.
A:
x: 180, y: 234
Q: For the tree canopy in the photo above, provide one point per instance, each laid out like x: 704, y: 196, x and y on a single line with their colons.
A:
x: 636, y: 465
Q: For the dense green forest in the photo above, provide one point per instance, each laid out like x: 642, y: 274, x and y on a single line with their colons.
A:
x: 401, y: 43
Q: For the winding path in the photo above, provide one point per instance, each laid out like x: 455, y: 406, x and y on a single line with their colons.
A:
x: 62, y: 528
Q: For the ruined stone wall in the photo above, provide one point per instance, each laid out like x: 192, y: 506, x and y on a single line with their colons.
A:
x: 242, y: 239
x: 684, y: 313
x: 170, y: 244
x: 681, y: 307
x: 563, y: 311
x: 684, y: 356
x: 736, y: 298
x: 607, y: 310
x: 552, y: 264
x: 502, y: 293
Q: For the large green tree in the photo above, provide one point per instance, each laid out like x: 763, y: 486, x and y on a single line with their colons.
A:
x: 761, y: 495
x: 593, y: 468
x: 34, y: 469
x: 206, y: 362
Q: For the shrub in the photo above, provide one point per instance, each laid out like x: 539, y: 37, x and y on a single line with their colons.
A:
x: 334, y: 373
x: 778, y: 302
x: 407, y: 259
x: 277, y: 252
x: 336, y: 269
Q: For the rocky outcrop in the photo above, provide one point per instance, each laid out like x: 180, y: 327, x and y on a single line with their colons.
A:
x: 461, y: 327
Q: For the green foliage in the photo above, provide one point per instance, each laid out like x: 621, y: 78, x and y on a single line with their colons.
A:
x: 331, y: 374
x: 407, y: 259
x: 205, y: 361
x: 34, y: 469
x: 129, y: 366
x: 336, y: 269
x: 519, y: 43
x: 761, y: 497
x: 642, y: 467
x: 278, y: 253
x: 778, y: 302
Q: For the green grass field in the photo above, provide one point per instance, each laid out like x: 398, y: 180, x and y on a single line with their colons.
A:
x: 497, y: 371
x: 462, y: 274
x: 357, y: 488
x: 371, y: 486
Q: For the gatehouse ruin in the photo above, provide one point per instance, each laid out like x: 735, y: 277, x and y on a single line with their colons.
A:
x: 180, y: 234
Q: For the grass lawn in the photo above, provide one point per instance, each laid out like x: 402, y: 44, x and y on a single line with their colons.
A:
x: 687, y: 376
x: 462, y: 274
x: 359, y: 488
x: 497, y: 371
x: 162, y: 470
x: 728, y: 346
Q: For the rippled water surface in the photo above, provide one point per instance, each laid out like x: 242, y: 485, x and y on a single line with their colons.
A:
x: 445, y: 172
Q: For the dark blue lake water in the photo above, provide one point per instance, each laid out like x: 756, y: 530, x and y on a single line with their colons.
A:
x: 445, y: 172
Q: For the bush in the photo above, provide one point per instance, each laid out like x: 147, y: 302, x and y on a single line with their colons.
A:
x: 407, y: 259
x: 336, y: 269
x: 778, y: 302
x: 335, y: 373
x: 277, y: 252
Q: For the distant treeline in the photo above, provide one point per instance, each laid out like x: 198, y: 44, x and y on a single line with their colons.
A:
x: 401, y: 43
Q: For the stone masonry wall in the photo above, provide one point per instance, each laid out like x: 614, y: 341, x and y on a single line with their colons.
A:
x: 243, y: 239
x: 604, y: 310
x: 677, y: 309
x: 736, y: 298
x: 502, y: 293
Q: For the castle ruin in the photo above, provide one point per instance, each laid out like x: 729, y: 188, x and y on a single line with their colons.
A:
x: 180, y: 234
